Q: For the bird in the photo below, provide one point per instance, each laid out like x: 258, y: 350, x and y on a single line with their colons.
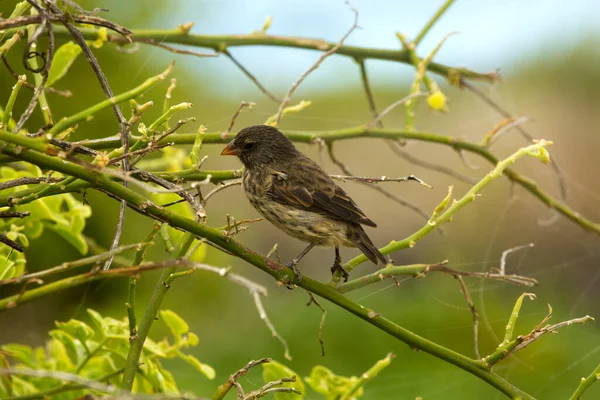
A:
x: 296, y: 195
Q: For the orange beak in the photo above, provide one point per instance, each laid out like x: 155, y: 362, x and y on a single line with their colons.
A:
x: 230, y: 150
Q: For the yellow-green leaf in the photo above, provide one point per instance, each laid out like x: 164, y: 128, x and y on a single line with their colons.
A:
x: 63, y: 59
x: 204, y: 369
x: 273, y: 371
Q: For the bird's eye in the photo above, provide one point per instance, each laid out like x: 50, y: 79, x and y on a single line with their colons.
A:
x: 249, y: 146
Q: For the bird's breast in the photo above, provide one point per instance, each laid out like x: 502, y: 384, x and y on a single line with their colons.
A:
x: 301, y: 224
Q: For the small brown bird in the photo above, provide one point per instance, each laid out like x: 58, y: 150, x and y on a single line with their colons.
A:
x: 293, y: 193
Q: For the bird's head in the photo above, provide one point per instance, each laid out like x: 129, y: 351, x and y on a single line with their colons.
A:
x: 260, y: 145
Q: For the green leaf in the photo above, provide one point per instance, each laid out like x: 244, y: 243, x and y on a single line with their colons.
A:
x: 21, y: 387
x: 63, y: 59
x: 204, y: 369
x: 332, y: 386
x: 76, y: 328
x: 273, y: 371
x: 175, y: 323
x: 58, y: 357
x: 98, y: 321
x: 160, y: 378
x: 69, y: 344
x: 154, y: 348
x: 22, y: 353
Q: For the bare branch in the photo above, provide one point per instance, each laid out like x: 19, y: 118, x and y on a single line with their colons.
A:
x: 506, y: 114
x: 175, y: 50
x: 383, y: 178
x: 395, y: 147
x: 469, y: 301
x: 251, y: 77
x: 243, y: 104
x: 313, y: 300
x: 288, y: 95
x: 395, y: 104
x: 367, y: 88
x: 11, y: 243
x: 263, y: 315
x: 505, y: 253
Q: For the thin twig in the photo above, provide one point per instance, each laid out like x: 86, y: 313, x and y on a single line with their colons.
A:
x: 263, y: 315
x: 395, y: 104
x: 251, y: 77
x: 395, y: 147
x: 28, y: 181
x: 530, y: 138
x: 175, y: 49
x: 243, y: 104
x: 73, y: 264
x: 367, y: 88
x: 383, y: 178
x: 273, y: 387
x: 14, y: 214
x: 224, y: 388
x: 288, y: 95
x: 11, y: 243
x: 469, y: 301
x: 222, y: 186
x: 63, y: 18
x: 387, y: 194
x: 312, y: 300
x: 505, y: 253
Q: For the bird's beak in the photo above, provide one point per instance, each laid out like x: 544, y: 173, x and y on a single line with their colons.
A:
x: 230, y: 150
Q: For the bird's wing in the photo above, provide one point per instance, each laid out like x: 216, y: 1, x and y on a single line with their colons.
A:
x: 306, y: 186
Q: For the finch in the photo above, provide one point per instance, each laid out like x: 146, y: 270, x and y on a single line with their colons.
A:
x: 297, y: 196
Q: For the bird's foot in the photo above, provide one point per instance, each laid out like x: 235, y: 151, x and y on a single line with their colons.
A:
x: 338, y: 267
x: 292, y: 265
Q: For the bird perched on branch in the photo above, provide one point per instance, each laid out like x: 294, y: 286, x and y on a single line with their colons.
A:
x: 294, y: 193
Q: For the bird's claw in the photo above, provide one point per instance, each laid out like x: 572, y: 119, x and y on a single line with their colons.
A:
x: 338, y: 267
x: 292, y: 265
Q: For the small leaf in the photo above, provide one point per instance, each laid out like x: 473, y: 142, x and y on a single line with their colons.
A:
x: 175, y: 323
x: 21, y: 353
x: 98, y: 321
x: 21, y: 387
x: 78, y: 329
x: 63, y: 59
x: 154, y: 348
x: 273, y: 371
x: 332, y: 386
x: 204, y: 369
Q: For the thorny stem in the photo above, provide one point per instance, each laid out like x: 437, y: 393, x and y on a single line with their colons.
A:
x: 219, y: 42
x: 586, y: 383
x: 137, y: 343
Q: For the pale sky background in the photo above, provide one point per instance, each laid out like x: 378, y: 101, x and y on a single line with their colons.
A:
x: 493, y: 33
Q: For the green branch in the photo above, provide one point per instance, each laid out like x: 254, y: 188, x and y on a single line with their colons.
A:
x: 137, y: 342
x: 67, y: 122
x: 144, y: 206
x: 586, y: 383
x: 218, y: 43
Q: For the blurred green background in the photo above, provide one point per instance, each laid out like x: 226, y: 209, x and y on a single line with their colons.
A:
x: 550, y: 75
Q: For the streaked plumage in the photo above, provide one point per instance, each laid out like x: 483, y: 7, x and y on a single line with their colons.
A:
x: 294, y: 193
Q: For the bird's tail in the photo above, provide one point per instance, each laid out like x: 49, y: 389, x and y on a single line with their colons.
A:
x: 359, y: 237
